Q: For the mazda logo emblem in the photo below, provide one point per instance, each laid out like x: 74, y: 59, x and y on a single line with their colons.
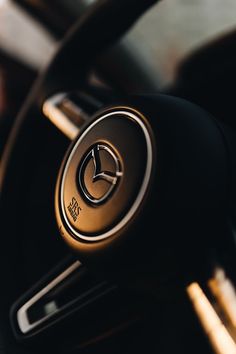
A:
x: 111, y: 177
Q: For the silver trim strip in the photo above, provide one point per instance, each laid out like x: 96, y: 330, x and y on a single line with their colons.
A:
x: 58, y: 118
x: 22, y: 318
x: 218, y: 335
x: 224, y: 292
x: 143, y: 188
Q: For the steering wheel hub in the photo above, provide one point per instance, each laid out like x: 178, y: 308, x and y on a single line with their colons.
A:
x: 105, y: 176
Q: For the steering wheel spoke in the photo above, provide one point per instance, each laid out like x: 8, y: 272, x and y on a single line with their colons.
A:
x: 67, y: 292
x: 69, y: 111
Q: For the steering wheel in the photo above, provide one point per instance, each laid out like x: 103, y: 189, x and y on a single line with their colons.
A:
x: 142, y: 198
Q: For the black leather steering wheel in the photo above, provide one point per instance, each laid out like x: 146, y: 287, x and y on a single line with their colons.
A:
x: 143, y: 197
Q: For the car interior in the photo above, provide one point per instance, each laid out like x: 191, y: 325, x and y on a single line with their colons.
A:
x: 117, y: 176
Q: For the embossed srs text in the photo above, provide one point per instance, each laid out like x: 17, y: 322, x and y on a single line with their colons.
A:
x: 74, y: 209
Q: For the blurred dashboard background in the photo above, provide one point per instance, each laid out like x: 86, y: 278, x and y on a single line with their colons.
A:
x: 30, y: 31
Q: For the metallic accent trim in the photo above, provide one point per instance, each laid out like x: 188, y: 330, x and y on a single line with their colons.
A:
x: 52, y: 111
x: 22, y: 318
x: 218, y: 335
x: 143, y: 188
x: 224, y: 292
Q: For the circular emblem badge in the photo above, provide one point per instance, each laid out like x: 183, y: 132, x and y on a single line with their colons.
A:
x: 98, y: 156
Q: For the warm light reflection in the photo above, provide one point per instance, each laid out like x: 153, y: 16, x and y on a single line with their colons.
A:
x: 219, y: 337
x: 223, y: 290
